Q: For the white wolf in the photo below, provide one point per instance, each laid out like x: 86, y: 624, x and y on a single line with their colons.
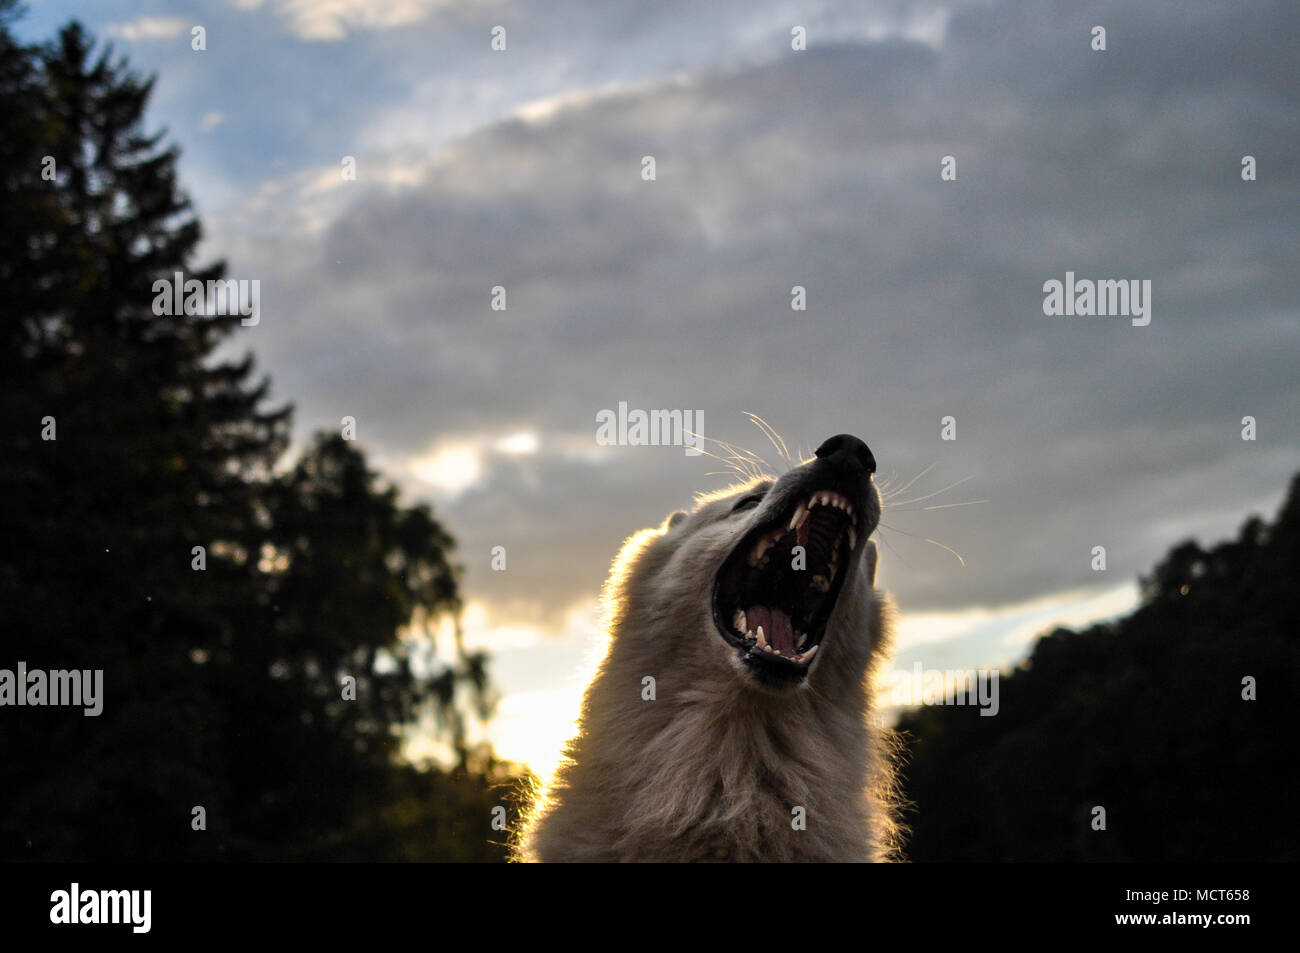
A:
x: 757, y: 617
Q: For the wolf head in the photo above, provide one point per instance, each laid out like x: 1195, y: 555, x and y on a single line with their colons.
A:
x: 772, y: 581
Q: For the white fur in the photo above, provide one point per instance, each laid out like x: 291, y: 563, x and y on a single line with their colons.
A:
x: 715, y: 767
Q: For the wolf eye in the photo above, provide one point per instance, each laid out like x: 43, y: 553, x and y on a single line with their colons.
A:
x: 747, y: 502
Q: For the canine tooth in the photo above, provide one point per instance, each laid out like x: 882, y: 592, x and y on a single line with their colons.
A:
x: 798, y: 515
x: 803, y: 637
x: 848, y: 508
x: 807, y: 656
x: 853, y: 538
x: 761, y: 640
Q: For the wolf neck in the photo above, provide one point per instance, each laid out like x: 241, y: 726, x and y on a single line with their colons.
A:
x: 718, y: 770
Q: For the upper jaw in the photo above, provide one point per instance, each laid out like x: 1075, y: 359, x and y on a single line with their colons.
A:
x: 827, y: 498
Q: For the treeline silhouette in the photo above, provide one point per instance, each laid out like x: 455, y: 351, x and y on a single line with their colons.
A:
x: 1146, y: 717
x: 263, y: 679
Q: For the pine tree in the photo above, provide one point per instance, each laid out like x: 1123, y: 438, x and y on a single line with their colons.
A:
x: 222, y: 666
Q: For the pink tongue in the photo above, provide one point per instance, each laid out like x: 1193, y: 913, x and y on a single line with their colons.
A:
x: 776, y: 627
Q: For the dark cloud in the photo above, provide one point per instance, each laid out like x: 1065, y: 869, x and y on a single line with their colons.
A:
x: 822, y: 169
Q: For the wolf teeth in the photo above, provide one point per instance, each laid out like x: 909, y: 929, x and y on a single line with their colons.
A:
x: 807, y: 656
x: 762, y: 642
x: 803, y: 637
x: 823, y: 499
x: 797, y: 518
x: 764, y: 544
x: 853, y: 538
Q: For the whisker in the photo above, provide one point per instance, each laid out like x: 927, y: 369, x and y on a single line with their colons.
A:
x: 928, y: 496
x: 750, y: 456
x: 771, y: 434
x: 927, y: 540
x: 914, y: 479
x: 744, y: 462
x: 752, y: 460
x: 744, y: 472
x: 896, y: 552
x: 937, y: 506
x: 735, y: 451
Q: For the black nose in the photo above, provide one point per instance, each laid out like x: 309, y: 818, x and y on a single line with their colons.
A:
x: 847, y: 452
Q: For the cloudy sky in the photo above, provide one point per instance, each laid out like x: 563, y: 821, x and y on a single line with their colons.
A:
x: 820, y: 168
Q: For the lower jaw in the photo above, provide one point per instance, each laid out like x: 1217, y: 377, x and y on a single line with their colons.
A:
x: 772, y: 674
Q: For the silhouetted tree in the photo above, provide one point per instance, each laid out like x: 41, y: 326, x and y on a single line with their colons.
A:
x: 1144, y: 717
x: 224, y: 686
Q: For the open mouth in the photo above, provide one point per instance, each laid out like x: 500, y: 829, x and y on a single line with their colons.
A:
x: 773, y: 608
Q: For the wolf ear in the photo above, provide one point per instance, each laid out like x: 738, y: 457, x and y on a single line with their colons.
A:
x: 870, y: 556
